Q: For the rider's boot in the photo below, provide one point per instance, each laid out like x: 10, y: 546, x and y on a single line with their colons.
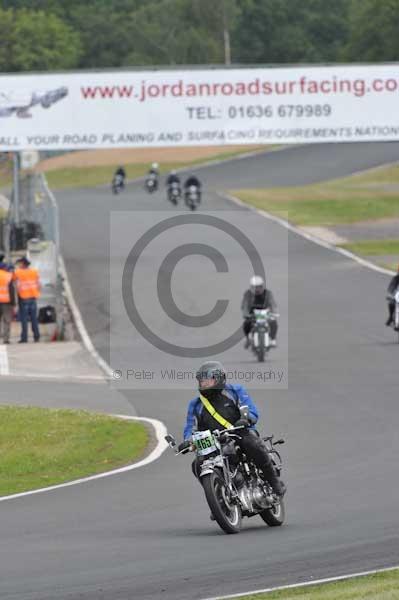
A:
x: 278, y: 486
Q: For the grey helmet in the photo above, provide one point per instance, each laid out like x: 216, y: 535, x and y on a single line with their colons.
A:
x: 257, y: 284
x: 212, y: 370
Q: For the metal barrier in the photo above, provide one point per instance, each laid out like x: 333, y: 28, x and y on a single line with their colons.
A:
x: 33, y: 228
x: 37, y: 205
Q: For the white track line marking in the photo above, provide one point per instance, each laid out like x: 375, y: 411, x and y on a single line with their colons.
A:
x: 4, y: 365
x: 88, y: 344
x: 305, y: 584
x: 308, y: 236
x: 160, y: 431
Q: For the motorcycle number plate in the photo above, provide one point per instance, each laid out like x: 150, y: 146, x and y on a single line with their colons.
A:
x: 204, y: 442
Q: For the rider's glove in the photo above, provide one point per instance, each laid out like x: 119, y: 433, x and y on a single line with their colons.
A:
x: 184, y: 445
x: 242, y: 423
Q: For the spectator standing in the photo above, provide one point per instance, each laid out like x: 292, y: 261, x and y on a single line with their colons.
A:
x: 28, y: 288
x: 7, y: 300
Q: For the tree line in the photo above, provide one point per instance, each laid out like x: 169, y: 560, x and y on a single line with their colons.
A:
x: 42, y: 35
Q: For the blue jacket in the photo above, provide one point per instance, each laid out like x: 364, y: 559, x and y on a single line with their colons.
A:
x: 237, y: 392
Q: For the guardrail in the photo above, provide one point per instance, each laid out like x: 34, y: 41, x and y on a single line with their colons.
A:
x: 35, y: 231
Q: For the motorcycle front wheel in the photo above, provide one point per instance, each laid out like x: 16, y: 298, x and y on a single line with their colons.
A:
x: 227, y: 514
x: 261, y: 350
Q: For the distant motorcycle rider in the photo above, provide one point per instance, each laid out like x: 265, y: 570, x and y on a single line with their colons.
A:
x: 120, y: 173
x: 392, y: 289
x: 226, y: 399
x: 154, y: 169
x: 192, y: 180
x: 258, y: 296
x: 173, y: 178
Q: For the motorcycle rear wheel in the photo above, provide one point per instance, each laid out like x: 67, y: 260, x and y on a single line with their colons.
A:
x: 227, y: 515
x: 275, y: 516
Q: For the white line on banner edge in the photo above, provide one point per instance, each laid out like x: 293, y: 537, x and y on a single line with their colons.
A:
x: 305, y: 583
x: 308, y: 236
x: 160, y: 431
x: 4, y: 364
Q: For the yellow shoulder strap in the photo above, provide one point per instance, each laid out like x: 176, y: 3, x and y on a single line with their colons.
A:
x: 214, y: 413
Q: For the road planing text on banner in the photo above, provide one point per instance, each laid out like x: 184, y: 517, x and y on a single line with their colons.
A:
x: 199, y: 107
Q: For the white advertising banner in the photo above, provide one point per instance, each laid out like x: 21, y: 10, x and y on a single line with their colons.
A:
x: 199, y: 107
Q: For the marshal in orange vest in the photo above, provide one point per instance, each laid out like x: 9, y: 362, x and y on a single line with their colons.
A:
x: 27, y: 281
x: 5, y: 279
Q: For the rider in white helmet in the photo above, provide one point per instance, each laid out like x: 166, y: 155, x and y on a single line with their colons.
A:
x: 154, y: 169
x: 258, y: 296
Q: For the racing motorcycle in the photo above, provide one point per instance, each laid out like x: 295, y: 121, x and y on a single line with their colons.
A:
x: 260, y: 332
x: 174, y: 192
x: 192, y: 197
x: 395, y: 297
x: 151, y: 183
x: 232, y: 484
x: 117, y: 184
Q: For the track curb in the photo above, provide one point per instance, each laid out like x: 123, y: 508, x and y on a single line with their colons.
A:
x: 305, y: 584
x: 160, y: 432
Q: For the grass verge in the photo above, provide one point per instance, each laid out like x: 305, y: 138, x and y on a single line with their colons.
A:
x: 369, y: 196
x: 41, y: 447
x: 100, y: 175
x: 5, y: 176
x: 322, y: 206
x: 89, y: 176
x: 381, y: 586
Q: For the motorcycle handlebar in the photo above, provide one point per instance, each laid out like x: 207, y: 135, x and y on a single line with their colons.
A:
x: 218, y: 433
x: 228, y: 431
x: 270, y: 315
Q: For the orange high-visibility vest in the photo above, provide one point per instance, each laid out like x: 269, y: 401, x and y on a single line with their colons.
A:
x: 27, y: 283
x: 5, y: 278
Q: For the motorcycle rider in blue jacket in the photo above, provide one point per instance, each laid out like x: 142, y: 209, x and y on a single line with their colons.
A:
x: 226, y: 399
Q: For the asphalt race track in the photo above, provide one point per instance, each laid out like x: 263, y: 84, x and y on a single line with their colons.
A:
x: 147, y: 534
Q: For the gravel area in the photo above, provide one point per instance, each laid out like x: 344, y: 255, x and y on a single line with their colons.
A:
x: 369, y: 230
x: 116, y: 156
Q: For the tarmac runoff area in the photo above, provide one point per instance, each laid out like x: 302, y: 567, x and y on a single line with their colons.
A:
x: 58, y: 360
x: 48, y: 360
